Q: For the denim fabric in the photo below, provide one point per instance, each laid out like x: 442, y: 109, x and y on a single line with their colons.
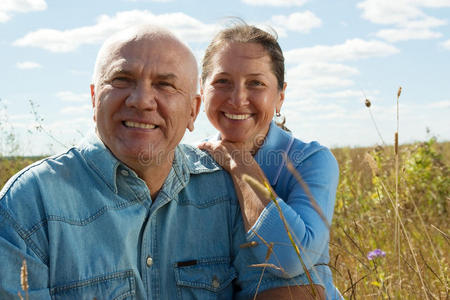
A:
x: 88, y: 228
x: 319, y: 170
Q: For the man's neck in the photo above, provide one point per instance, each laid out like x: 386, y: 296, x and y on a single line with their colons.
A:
x: 154, y: 173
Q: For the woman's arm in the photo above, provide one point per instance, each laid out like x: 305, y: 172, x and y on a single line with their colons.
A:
x: 320, y: 173
x: 262, y: 218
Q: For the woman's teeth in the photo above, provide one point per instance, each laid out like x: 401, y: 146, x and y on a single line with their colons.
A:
x: 138, y: 125
x: 237, y: 117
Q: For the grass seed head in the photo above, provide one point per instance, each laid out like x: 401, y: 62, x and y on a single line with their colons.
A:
x: 24, y: 276
x: 372, y: 164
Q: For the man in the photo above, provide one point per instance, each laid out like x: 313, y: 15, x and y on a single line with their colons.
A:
x: 129, y: 213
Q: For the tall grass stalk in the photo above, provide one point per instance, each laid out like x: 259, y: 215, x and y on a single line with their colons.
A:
x: 397, y: 229
x: 400, y: 222
x: 368, y: 105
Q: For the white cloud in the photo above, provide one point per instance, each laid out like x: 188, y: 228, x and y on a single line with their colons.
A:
x: 68, y: 96
x: 21, y: 117
x: 407, y: 16
x: 9, y: 7
x: 301, y: 88
x: 147, y: 1
x: 315, y: 80
x: 446, y: 44
x: 388, y: 11
x: 314, y: 106
x: 405, y: 34
x: 440, y: 104
x: 75, y: 110
x: 299, y: 21
x: 307, y: 70
x: 28, y: 65
x: 275, y: 2
x: 350, y: 50
x: 188, y: 28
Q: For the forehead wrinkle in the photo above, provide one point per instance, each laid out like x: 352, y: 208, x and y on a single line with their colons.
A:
x: 116, y: 66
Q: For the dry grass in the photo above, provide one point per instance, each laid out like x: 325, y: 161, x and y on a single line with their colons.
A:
x: 365, y: 219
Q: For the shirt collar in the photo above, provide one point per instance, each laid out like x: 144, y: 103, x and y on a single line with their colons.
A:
x: 100, y: 159
x: 188, y: 160
x: 270, y: 157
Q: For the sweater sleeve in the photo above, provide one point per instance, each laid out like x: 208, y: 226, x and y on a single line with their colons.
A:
x: 320, y: 173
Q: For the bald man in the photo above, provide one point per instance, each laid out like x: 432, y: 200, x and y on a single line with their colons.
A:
x: 129, y: 213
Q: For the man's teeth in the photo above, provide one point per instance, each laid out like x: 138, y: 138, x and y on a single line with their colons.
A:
x: 237, y: 117
x: 139, y: 125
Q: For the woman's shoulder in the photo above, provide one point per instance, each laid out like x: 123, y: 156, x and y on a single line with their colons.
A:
x: 301, y: 151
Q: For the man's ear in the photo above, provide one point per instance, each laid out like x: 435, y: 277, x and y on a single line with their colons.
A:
x: 93, y: 99
x: 195, y: 108
x: 201, y: 89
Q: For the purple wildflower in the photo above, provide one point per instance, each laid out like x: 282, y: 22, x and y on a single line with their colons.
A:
x: 376, y: 253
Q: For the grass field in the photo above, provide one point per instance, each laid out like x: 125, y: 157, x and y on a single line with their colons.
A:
x: 414, y: 238
x: 416, y: 243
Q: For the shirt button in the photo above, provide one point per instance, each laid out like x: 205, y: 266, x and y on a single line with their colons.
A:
x: 215, y: 282
x: 125, y: 172
x: 149, y: 261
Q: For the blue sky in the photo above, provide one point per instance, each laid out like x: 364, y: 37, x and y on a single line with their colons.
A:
x: 337, y: 54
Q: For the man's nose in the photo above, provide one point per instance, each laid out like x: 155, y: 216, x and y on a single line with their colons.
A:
x: 143, y: 97
x: 239, y: 96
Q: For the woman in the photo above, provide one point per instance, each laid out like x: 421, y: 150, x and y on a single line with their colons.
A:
x: 242, y: 85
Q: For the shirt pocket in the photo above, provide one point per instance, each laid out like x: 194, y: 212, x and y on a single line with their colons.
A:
x: 208, y: 278
x: 115, y: 286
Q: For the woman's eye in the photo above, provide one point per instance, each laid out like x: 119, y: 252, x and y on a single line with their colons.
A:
x: 256, y: 83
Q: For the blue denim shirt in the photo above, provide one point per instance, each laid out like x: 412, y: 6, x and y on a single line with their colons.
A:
x: 319, y: 170
x: 88, y: 228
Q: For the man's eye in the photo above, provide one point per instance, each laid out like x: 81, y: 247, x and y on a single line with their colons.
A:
x: 165, y: 85
x: 221, y: 81
x: 121, y: 82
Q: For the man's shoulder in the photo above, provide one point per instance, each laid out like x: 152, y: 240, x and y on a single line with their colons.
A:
x: 198, y: 161
x: 42, y: 170
x: 207, y: 178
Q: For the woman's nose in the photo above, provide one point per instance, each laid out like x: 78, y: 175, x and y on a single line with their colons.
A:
x: 239, y: 96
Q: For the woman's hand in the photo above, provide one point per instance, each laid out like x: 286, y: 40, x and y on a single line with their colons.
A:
x: 237, y: 161
x: 231, y: 156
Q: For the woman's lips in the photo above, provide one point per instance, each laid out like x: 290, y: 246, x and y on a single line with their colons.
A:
x: 237, y: 116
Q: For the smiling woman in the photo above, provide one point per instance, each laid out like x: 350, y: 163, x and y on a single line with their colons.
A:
x: 242, y: 91
x: 242, y: 86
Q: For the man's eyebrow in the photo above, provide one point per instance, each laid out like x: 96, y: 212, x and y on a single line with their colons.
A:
x: 120, y: 70
x: 167, y: 76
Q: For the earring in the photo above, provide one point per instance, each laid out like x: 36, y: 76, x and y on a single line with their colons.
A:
x: 279, y: 118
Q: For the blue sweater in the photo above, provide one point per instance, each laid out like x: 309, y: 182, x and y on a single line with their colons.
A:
x: 319, y: 170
